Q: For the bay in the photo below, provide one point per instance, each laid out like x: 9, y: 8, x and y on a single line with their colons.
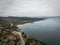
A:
x: 47, y: 30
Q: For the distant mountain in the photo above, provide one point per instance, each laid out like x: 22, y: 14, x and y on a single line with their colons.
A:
x: 47, y: 17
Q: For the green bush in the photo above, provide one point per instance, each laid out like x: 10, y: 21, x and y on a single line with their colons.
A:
x: 17, y: 39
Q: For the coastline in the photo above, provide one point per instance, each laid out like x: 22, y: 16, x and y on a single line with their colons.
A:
x: 28, y: 38
x: 12, y: 36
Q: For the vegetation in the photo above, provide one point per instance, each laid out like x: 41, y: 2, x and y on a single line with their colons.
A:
x: 7, y: 37
x: 7, y: 27
x: 31, y: 41
x: 20, y: 20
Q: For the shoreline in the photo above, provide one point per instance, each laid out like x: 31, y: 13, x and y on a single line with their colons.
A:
x: 16, y: 38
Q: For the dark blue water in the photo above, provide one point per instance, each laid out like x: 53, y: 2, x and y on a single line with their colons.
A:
x: 47, y: 30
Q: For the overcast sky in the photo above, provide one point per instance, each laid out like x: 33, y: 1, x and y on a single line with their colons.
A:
x: 29, y: 7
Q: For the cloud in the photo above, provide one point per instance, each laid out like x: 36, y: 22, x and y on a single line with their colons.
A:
x: 4, y: 4
x: 30, y: 8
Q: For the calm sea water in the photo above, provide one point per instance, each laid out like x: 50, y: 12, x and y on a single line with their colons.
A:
x: 47, y: 30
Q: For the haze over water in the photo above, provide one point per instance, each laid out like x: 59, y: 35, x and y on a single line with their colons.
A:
x: 47, y: 30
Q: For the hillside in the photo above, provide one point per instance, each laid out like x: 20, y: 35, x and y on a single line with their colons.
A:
x: 10, y: 34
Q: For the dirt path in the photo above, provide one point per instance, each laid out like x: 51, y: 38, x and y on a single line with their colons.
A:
x: 22, y: 41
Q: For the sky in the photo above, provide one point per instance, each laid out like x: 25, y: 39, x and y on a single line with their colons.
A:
x: 29, y: 7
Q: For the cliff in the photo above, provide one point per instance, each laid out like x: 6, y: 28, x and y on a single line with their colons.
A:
x: 10, y: 35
